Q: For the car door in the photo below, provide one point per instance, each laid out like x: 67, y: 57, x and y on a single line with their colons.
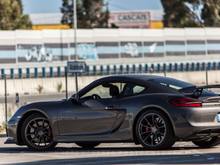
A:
x: 130, y: 97
x: 96, y: 113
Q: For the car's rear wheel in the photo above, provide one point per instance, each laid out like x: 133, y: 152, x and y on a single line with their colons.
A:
x: 37, y: 133
x: 87, y: 145
x: 154, y: 130
x: 211, y: 142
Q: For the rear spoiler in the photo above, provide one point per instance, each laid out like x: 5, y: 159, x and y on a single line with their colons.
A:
x: 209, y: 86
x: 198, y: 90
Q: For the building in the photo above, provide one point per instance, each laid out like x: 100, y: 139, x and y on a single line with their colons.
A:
x: 137, y: 19
x: 47, y: 21
x: 122, y: 19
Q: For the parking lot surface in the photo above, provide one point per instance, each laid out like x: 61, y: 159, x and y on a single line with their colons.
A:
x: 108, y: 153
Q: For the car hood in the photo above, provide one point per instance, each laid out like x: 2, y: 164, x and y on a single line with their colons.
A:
x: 43, y: 107
x: 43, y: 104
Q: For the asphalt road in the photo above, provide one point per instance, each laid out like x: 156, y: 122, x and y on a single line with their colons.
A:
x: 121, y: 153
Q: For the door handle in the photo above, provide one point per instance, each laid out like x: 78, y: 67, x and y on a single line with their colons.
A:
x: 109, y: 108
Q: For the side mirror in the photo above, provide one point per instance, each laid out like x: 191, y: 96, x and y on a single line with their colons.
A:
x: 75, y: 98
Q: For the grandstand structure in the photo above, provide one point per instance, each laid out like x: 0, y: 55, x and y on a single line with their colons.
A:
x: 44, y: 53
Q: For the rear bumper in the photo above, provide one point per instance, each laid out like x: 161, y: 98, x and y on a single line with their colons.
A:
x: 197, y: 123
x: 203, y: 133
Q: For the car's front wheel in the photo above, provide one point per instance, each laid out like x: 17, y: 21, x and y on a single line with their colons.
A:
x: 87, y: 145
x: 154, y: 130
x: 37, y: 133
x: 211, y: 142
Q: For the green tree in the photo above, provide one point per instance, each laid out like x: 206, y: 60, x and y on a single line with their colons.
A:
x: 211, y: 12
x: 11, y: 15
x: 90, y: 13
x: 191, y: 13
x: 178, y: 14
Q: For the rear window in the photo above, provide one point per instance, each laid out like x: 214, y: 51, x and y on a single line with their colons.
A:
x: 131, y: 89
x: 172, y: 83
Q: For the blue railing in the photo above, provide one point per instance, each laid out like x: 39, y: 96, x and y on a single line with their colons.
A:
x: 58, y: 71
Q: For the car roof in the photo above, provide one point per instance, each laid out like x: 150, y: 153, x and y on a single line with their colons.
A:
x: 141, y: 77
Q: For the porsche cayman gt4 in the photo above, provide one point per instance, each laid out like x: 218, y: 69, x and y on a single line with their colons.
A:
x: 153, y: 111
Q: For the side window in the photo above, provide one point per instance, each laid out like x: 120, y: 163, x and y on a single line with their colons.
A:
x: 104, y: 91
x: 138, y: 89
x: 131, y: 89
x: 101, y: 91
x: 119, y: 85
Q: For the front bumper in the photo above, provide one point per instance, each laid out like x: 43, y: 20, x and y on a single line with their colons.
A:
x: 12, y: 132
x: 10, y: 140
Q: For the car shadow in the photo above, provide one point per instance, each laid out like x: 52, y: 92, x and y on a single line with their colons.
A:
x: 212, y: 158
x: 97, y: 149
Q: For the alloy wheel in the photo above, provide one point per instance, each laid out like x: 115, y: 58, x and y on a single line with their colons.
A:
x: 152, y: 129
x: 38, y: 132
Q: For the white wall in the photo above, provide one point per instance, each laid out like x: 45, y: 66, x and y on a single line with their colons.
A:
x: 49, y: 84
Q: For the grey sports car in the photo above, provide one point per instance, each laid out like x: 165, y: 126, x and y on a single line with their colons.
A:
x: 149, y: 110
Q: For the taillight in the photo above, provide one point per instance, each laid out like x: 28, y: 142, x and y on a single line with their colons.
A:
x: 185, y: 102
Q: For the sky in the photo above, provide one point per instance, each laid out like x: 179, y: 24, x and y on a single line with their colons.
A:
x: 53, y: 6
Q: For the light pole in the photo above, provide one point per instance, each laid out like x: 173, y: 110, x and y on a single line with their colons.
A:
x: 74, y: 24
x: 6, y: 102
x: 75, y: 37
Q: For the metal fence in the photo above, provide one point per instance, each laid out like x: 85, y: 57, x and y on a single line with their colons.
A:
x: 91, y: 70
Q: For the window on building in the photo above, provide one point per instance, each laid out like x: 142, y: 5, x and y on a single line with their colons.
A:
x: 107, y: 50
x: 174, y: 48
x: 131, y: 49
x: 153, y: 49
x: 213, y: 46
x: 196, y: 47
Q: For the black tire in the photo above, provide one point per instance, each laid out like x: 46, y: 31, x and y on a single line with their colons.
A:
x: 154, y: 134
x: 34, y: 134
x: 213, y: 141
x: 87, y: 145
